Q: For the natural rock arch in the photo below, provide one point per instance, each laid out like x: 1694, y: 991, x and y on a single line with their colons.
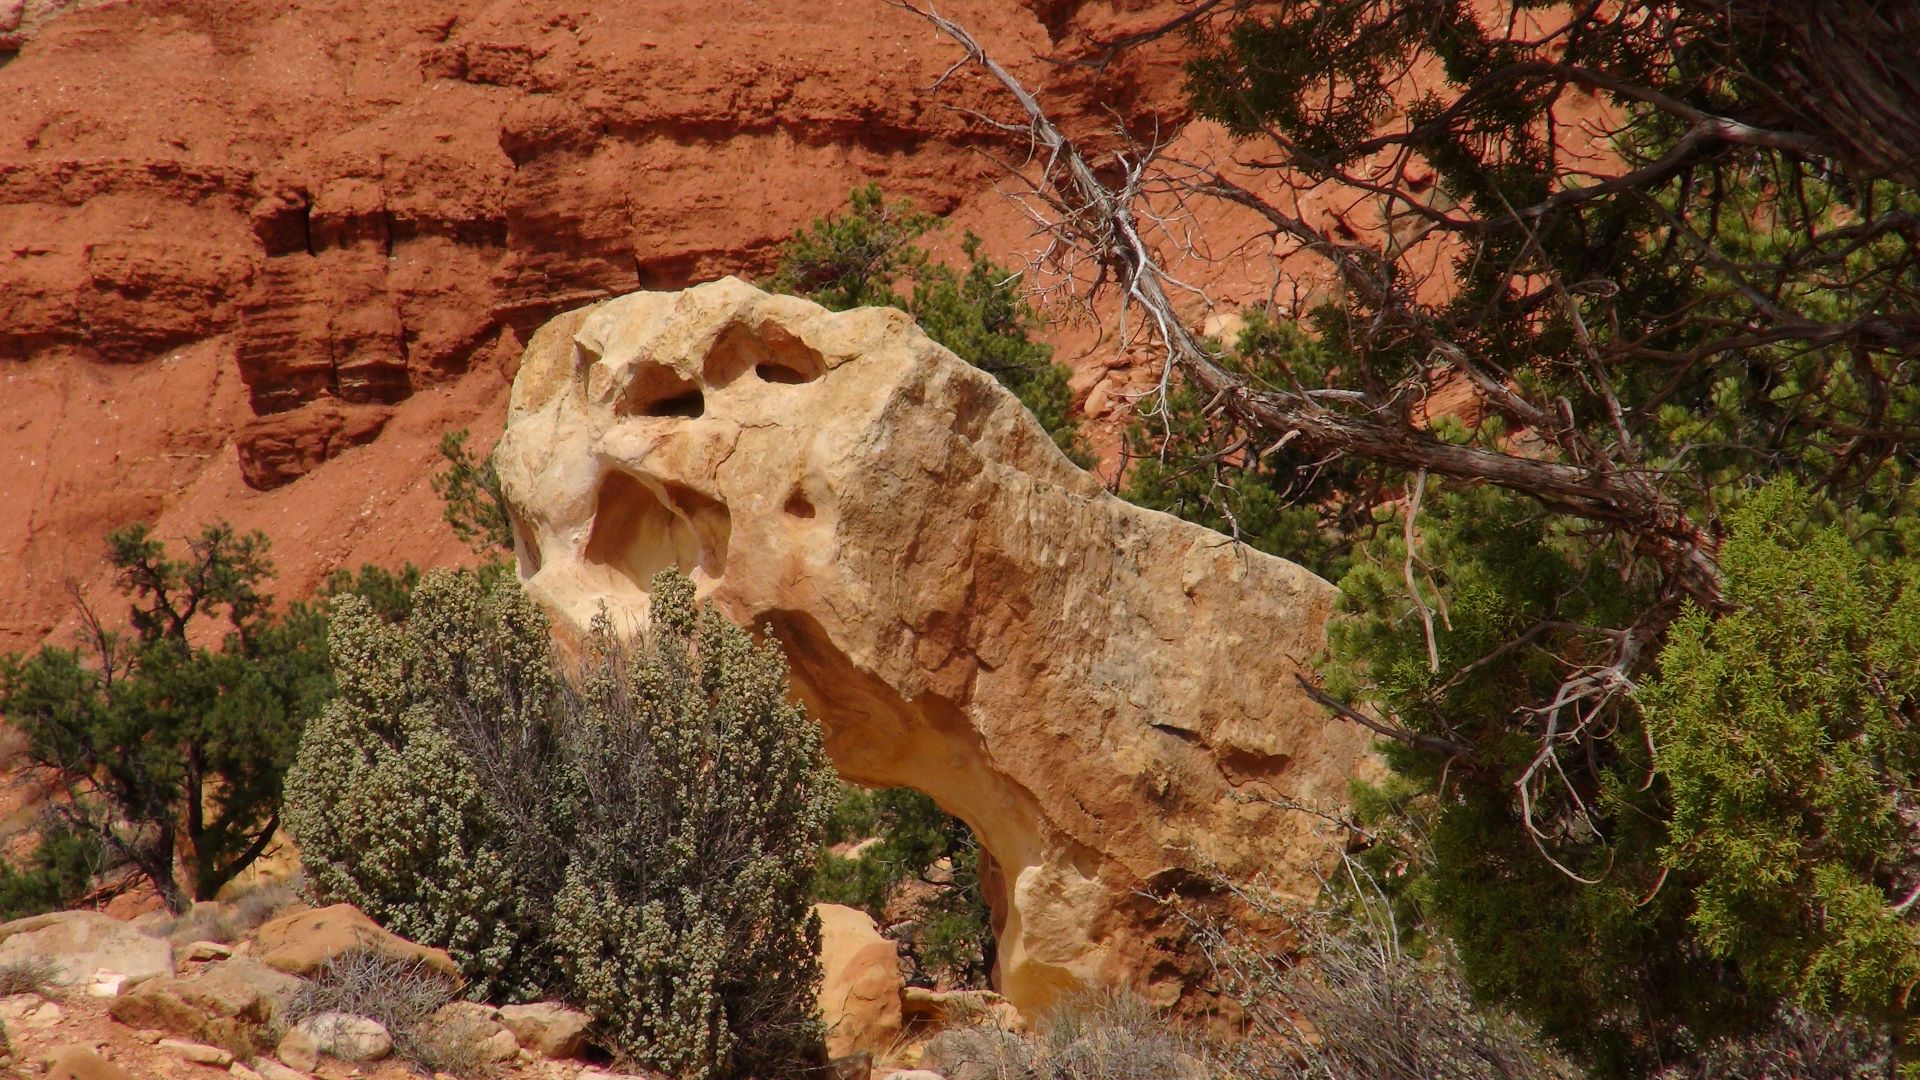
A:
x: 1089, y: 685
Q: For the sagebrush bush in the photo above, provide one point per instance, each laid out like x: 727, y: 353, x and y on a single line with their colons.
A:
x: 34, y: 975
x: 386, y: 804
x: 1091, y: 1035
x: 686, y: 916
x: 638, y: 837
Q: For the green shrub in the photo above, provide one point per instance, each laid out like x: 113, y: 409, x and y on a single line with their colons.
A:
x: 638, y: 838
x: 685, y: 922
x: 388, y: 809
x: 865, y: 255
x: 169, y: 752
x: 1789, y: 730
x: 57, y: 874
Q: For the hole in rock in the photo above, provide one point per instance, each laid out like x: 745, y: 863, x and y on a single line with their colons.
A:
x: 895, y: 854
x: 640, y: 529
x: 658, y: 390
x: 688, y: 405
x: 798, y: 505
x: 780, y: 373
x: 769, y: 351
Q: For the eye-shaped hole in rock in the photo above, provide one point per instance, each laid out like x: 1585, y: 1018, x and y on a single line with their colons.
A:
x: 658, y: 390
x: 640, y: 529
x: 797, y: 504
x: 769, y: 351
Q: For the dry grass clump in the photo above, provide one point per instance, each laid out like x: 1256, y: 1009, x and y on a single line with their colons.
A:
x: 1110, y: 1035
x: 1345, y: 1001
x: 1796, y: 1046
x: 231, y: 920
x: 405, y: 996
x: 34, y: 975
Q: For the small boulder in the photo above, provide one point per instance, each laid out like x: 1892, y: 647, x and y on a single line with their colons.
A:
x: 83, y: 1063
x: 205, y: 950
x: 108, y: 984
x: 959, y: 1008
x: 303, y: 942
x: 860, y: 984
x: 80, y: 943
x: 852, y: 1067
x: 548, y: 1028
x: 499, y: 1046
x: 198, y: 1053
x: 270, y: 1069
x: 344, y: 1036
x: 299, y: 1049
x: 476, y: 1027
x: 229, y: 1004
x: 30, y: 1011
x: 977, y: 1053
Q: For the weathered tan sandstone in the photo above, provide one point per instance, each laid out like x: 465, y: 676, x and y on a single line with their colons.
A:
x: 1086, y: 683
x: 860, y: 982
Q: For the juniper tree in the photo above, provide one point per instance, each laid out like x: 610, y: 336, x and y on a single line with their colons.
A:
x: 865, y: 255
x: 167, y: 750
x: 1644, y: 341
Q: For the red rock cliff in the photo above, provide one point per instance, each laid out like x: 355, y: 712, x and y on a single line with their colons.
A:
x: 255, y: 258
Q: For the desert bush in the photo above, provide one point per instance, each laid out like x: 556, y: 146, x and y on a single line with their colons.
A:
x: 864, y: 255
x: 385, y: 802
x: 638, y: 837
x: 685, y: 921
x: 228, y: 921
x: 1333, y: 993
x: 1797, y: 1046
x: 56, y: 875
x: 33, y: 975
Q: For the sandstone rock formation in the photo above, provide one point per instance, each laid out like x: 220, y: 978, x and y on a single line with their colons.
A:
x: 1089, y: 685
x: 302, y: 943
x: 228, y: 1004
x: 860, y: 982
x: 81, y: 943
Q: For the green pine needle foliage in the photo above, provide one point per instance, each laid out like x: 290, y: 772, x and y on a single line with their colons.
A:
x: 950, y: 936
x: 865, y: 256
x: 171, y: 742
x: 1789, y: 730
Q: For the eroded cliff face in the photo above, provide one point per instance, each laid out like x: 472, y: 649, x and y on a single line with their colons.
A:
x: 1103, y: 693
x: 244, y: 245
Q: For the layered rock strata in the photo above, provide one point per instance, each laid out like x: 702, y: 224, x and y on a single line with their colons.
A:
x: 1103, y: 693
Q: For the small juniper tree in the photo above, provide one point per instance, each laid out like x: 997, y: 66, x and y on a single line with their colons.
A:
x: 167, y: 752
x: 863, y: 256
x: 1789, y: 731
